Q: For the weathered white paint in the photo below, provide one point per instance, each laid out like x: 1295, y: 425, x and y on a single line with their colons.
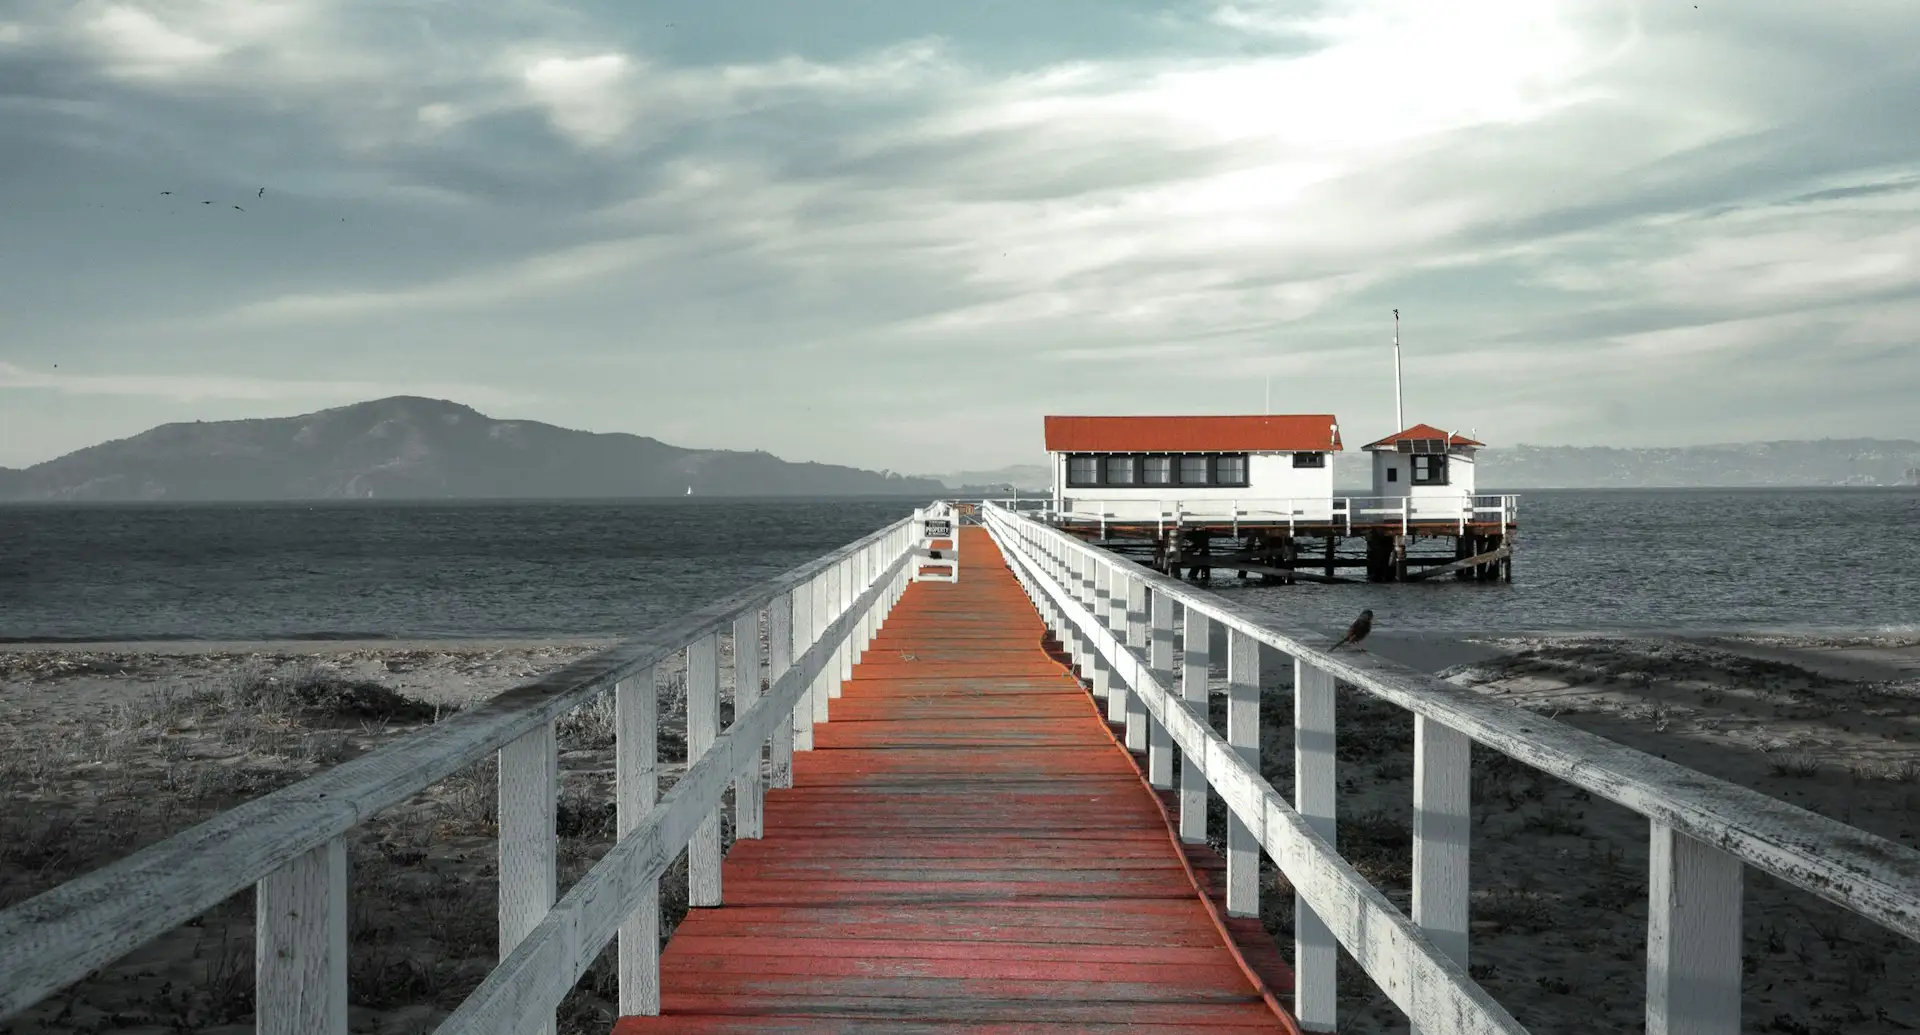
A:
x: 1315, y: 951
x: 1193, y: 693
x: 1694, y: 894
x: 1136, y: 627
x: 779, y: 650
x: 56, y: 938
x: 1243, y: 735
x: 300, y: 945
x: 546, y: 964
x: 1442, y: 829
x: 1869, y: 875
x: 1098, y: 574
x: 1116, y: 618
x: 824, y: 615
x: 703, y: 728
x: 636, y: 785
x: 1160, y: 657
x: 802, y: 640
x: 529, y: 847
x: 1420, y: 979
x: 749, y: 788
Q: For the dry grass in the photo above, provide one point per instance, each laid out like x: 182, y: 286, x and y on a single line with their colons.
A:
x: 422, y: 905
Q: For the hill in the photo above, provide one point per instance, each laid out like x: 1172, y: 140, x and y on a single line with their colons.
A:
x: 412, y: 448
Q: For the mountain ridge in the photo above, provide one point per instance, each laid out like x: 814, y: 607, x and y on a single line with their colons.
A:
x: 410, y: 447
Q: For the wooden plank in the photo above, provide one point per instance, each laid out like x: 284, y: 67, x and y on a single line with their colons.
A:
x: 1243, y: 736
x: 1442, y: 830
x: 636, y: 786
x: 749, y: 788
x: 1459, y: 565
x: 529, y: 846
x: 1694, y: 894
x: 1160, y: 657
x: 703, y: 728
x: 1193, y: 693
x: 300, y: 945
x: 987, y: 878
x: 1137, y: 632
x: 779, y: 650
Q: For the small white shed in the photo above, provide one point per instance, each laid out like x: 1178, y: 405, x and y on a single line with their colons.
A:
x: 1147, y: 468
x: 1432, y: 468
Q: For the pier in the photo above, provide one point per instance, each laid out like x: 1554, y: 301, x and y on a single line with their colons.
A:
x: 971, y: 762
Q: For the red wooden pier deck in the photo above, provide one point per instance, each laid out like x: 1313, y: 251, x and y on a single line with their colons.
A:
x: 967, y: 849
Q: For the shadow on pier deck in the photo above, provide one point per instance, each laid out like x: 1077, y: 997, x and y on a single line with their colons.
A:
x: 967, y: 848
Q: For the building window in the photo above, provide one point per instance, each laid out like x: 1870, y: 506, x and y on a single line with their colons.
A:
x: 1230, y: 469
x: 1157, y: 470
x: 1120, y: 470
x: 1193, y: 470
x: 1309, y: 459
x: 1393, y: 474
x: 1430, y: 469
x: 1083, y: 470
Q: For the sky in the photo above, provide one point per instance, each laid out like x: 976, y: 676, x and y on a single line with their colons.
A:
x: 896, y: 234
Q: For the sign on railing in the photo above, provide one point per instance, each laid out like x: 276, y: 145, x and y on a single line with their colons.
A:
x: 937, y: 549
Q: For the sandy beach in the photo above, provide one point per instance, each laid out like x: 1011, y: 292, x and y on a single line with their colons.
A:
x: 109, y: 747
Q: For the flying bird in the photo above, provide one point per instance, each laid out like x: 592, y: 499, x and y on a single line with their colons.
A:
x: 1358, y: 630
x: 166, y: 192
x: 206, y: 203
x: 238, y: 208
x: 262, y: 194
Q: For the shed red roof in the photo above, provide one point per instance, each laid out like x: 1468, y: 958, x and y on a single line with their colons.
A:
x: 1421, y: 432
x: 1277, y: 433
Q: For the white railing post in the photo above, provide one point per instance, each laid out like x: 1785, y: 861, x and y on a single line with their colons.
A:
x: 1693, y: 936
x: 636, y: 780
x: 1243, y: 736
x: 1097, y: 577
x: 529, y: 801
x: 823, y: 615
x: 300, y: 945
x: 748, y: 787
x: 1442, y: 770
x: 1193, y: 692
x: 1113, y: 615
x: 802, y: 638
x: 779, y: 659
x: 1315, y: 953
x: 848, y: 592
x: 703, y: 726
x: 1160, y: 659
x: 1135, y: 602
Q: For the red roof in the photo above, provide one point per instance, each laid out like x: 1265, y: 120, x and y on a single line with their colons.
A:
x: 1422, y: 433
x: 1278, y: 433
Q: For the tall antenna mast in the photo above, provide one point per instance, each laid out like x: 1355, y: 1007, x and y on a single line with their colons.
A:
x: 1399, y: 419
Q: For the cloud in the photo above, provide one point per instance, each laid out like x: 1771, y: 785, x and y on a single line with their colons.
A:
x: 202, y: 387
x: 1556, y: 195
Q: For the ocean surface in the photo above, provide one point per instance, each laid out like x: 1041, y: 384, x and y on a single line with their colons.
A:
x: 1653, y: 559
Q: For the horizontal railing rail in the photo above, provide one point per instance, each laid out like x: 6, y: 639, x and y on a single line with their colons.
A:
x: 1342, y: 511
x: 1702, y: 830
x: 289, y: 844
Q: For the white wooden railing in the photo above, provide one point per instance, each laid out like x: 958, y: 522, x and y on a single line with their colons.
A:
x: 1117, y: 620
x: 290, y: 845
x: 1316, y: 512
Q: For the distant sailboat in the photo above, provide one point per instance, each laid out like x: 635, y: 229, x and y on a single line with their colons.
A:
x: 689, y: 490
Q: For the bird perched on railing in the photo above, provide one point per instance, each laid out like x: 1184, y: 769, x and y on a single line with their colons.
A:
x: 1358, y: 630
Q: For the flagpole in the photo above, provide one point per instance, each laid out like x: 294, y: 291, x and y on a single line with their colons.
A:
x: 1399, y: 419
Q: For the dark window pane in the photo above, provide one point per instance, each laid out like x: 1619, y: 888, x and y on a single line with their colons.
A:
x: 1158, y: 470
x: 1309, y: 459
x: 1083, y: 470
x: 1120, y: 470
x: 1230, y: 470
x: 1193, y: 470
